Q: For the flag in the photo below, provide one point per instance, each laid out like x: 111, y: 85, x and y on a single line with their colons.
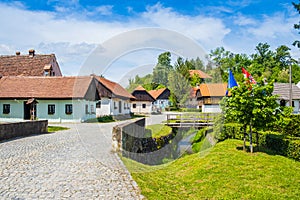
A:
x: 231, y: 82
x: 248, y: 75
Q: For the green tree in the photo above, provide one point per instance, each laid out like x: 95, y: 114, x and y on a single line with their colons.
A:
x: 180, y: 87
x: 297, y: 26
x: 251, y: 105
x: 162, y: 68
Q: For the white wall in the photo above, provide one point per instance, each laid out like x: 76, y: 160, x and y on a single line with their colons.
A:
x: 111, y: 107
x: 296, y: 105
x: 139, y: 107
x: 211, y: 108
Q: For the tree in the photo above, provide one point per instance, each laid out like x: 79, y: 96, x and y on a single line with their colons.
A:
x: 251, y: 105
x: 179, y: 86
x: 162, y: 68
x: 297, y: 26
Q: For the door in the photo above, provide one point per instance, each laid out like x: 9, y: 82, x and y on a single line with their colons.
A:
x: 26, y: 110
x: 120, y: 107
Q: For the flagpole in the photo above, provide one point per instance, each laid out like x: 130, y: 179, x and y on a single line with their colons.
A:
x: 290, y: 80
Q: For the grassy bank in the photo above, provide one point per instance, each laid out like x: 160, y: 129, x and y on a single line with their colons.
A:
x: 56, y: 128
x: 225, y: 172
x: 158, y: 130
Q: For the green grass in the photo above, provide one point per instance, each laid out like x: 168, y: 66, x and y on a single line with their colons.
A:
x: 56, y: 128
x: 224, y: 172
x: 159, y: 130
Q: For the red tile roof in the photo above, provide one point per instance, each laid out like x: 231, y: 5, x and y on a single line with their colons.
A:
x: 140, y: 88
x: 213, y: 89
x: 156, y: 93
x: 115, y: 88
x: 200, y: 73
x: 25, y: 65
x: 44, y: 87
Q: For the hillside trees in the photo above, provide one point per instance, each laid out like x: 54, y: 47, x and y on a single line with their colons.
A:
x: 297, y: 26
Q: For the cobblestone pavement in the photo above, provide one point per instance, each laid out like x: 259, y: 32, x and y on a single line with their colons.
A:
x: 73, y: 164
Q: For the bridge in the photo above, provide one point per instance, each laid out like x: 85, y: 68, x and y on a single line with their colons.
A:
x: 196, y: 120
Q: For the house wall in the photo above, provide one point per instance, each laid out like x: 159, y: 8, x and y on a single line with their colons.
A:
x: 211, y: 108
x: 139, y: 107
x: 296, y: 105
x: 161, y: 104
x: 79, y: 110
x: 110, y: 106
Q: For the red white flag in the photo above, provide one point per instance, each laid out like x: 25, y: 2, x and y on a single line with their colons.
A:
x: 248, y: 76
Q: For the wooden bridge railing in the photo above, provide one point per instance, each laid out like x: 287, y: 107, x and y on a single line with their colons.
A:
x: 191, y: 120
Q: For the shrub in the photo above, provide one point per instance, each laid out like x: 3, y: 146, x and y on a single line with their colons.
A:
x: 293, y: 150
x: 230, y: 130
x: 292, y: 127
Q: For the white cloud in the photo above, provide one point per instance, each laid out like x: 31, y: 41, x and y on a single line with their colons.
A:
x: 242, y: 20
x: 104, y: 10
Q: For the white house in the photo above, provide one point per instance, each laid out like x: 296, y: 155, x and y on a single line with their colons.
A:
x: 283, y: 92
x: 142, y: 104
x: 161, y: 97
x: 115, y: 100
x: 57, y: 99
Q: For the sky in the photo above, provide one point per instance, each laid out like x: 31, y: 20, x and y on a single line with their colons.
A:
x: 122, y: 38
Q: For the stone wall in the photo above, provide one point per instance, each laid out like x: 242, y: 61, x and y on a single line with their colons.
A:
x: 130, y: 140
x: 20, y: 129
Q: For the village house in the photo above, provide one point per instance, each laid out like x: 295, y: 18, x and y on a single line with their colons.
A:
x: 31, y: 64
x: 283, y: 92
x: 115, y: 100
x: 142, y: 102
x: 210, y: 96
x: 202, y: 75
x: 57, y: 99
x: 161, y: 97
x: 207, y: 97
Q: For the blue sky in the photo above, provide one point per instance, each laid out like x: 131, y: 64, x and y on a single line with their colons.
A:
x: 74, y: 29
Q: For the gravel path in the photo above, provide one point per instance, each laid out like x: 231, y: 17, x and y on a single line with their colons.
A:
x: 72, y: 164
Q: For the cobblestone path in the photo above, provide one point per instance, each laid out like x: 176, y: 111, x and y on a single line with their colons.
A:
x: 72, y: 164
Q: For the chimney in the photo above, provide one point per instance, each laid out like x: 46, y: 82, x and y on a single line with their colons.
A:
x: 18, y: 53
x: 31, y: 52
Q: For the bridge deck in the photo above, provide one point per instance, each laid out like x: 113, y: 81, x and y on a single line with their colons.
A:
x: 190, y: 120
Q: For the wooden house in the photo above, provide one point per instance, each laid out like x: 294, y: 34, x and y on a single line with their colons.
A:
x: 115, y: 100
x: 161, y: 97
x: 142, y: 102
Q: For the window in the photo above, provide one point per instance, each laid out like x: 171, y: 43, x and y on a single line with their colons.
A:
x: 6, y: 108
x: 69, y: 109
x: 293, y: 104
x: 51, y: 109
x: 98, y: 104
x: 144, y: 105
x: 134, y: 105
x: 115, y: 105
x: 86, y: 109
x: 124, y: 106
x: 92, y: 109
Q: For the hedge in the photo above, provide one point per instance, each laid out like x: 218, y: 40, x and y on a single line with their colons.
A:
x: 230, y: 130
x: 280, y: 145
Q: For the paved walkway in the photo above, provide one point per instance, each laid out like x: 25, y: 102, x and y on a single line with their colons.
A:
x: 72, y: 164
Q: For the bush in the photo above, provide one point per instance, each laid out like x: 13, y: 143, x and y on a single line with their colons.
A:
x: 199, y: 142
x: 230, y: 130
x: 277, y: 143
x: 293, y: 150
x: 292, y: 128
x: 102, y: 119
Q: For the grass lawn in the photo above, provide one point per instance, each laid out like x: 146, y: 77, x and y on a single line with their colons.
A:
x: 223, y: 173
x: 56, y: 128
x: 159, y: 130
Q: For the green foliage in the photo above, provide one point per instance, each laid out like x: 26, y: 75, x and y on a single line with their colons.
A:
x: 159, y: 130
x: 280, y: 144
x: 179, y: 86
x: 230, y: 131
x: 199, y: 135
x: 224, y: 173
x: 102, y: 119
x: 293, y: 150
x: 253, y: 104
x: 297, y: 26
x: 56, y: 128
